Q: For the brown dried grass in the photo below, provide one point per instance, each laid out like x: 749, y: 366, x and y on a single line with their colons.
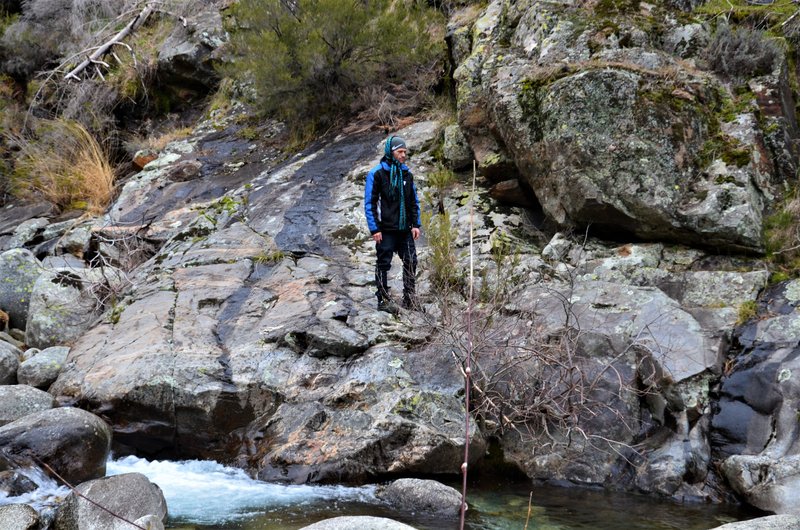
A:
x: 64, y: 164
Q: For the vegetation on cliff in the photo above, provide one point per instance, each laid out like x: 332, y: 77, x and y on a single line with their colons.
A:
x: 329, y: 58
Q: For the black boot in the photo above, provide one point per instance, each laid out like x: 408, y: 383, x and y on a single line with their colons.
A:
x: 387, y: 305
x: 385, y: 302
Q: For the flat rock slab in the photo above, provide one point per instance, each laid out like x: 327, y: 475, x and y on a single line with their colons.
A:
x: 363, y: 522
x: 772, y: 522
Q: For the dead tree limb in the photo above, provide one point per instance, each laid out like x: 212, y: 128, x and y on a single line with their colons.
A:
x: 134, y: 24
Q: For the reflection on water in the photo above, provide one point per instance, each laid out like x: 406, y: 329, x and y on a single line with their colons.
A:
x: 209, y: 496
x: 505, y: 507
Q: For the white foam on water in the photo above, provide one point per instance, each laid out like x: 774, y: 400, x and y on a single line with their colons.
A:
x: 47, y: 495
x: 206, y: 492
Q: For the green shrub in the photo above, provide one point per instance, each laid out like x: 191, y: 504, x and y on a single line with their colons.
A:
x: 443, y: 265
x: 311, y: 58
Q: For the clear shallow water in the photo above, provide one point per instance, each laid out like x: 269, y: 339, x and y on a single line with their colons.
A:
x: 209, y: 496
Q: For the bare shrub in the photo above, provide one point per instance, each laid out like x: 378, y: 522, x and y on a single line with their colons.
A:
x: 782, y: 234
x: 63, y: 163
x: 50, y: 29
x: 741, y: 53
x: 91, y: 103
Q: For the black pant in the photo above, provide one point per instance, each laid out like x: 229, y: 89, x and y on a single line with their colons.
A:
x: 401, y: 243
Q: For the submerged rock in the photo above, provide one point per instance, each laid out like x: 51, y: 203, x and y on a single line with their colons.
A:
x: 770, y: 522
x: 362, y: 522
x: 14, y: 484
x: 411, y: 495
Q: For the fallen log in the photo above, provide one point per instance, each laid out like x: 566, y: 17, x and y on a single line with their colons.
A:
x: 105, y: 48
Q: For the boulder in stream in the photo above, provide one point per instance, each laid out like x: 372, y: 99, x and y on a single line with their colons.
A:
x: 418, y: 495
x: 73, y: 442
x: 130, y: 497
x: 19, y: 517
x: 362, y: 522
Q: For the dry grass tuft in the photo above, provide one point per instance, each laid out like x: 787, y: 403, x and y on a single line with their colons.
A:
x: 158, y: 143
x: 64, y: 164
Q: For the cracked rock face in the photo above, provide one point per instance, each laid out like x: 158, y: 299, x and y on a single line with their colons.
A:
x: 755, y: 425
x: 611, y: 132
x: 252, y: 334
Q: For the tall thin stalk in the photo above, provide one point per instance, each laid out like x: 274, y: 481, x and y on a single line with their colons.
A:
x: 468, y: 367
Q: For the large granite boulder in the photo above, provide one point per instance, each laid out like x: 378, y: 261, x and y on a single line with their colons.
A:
x: 17, y: 401
x: 756, y: 418
x: 605, y: 139
x: 186, y: 58
x: 66, y: 302
x: 19, y: 517
x: 19, y: 269
x: 42, y: 369
x: 130, y: 496
x: 73, y: 442
x: 411, y: 495
x: 9, y: 363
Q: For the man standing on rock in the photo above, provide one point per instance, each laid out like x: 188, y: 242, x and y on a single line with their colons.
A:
x: 392, y: 209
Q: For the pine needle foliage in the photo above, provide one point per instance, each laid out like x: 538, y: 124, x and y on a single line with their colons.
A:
x: 310, y: 58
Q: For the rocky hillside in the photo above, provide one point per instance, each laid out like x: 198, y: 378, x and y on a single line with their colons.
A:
x: 623, y: 321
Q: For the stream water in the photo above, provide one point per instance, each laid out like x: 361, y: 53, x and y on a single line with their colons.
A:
x: 209, y: 496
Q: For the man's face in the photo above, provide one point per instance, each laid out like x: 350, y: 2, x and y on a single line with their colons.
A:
x: 400, y: 154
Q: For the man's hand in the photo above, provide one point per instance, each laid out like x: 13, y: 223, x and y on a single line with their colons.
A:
x: 415, y: 233
x: 378, y: 237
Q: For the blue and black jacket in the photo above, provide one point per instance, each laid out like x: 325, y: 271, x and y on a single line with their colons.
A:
x: 382, y: 212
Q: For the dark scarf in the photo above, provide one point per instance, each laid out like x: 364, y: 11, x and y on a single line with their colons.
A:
x: 396, y: 182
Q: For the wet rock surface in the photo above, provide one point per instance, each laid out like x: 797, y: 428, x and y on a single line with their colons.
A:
x: 73, y: 442
x: 427, y: 496
x: 755, y: 422
x: 366, y: 522
x: 130, y: 496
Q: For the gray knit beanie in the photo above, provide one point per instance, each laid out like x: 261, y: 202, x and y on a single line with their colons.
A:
x: 397, y: 143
